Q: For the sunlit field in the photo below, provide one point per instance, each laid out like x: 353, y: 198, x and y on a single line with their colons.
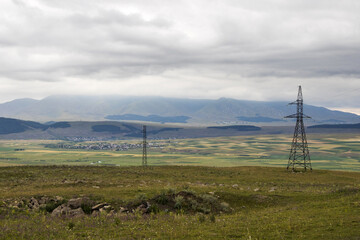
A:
x: 337, y: 152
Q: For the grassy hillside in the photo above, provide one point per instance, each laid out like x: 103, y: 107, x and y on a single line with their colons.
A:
x: 266, y: 203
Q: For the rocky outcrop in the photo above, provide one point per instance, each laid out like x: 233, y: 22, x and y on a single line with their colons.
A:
x: 64, y: 210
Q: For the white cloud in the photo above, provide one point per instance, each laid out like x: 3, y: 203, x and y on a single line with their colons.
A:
x: 258, y: 50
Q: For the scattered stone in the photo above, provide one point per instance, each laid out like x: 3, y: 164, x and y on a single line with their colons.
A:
x: 107, y: 207
x: 59, y: 199
x: 235, y: 186
x: 75, y: 203
x: 144, y: 207
x: 272, y: 189
x: 256, y: 189
x: 111, y: 213
x: 33, y: 203
x: 99, y: 206
x: 95, y: 186
x: 95, y: 213
x: 64, y: 210
x: 123, y: 210
x: 211, y: 193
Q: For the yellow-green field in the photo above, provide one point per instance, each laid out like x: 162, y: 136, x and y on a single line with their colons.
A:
x: 336, y: 152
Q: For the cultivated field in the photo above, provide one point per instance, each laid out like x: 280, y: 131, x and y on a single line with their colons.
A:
x: 336, y: 152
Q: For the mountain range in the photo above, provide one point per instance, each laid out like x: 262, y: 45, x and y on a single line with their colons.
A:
x: 223, y: 111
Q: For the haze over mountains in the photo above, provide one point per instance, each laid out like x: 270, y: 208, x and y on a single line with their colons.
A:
x: 165, y: 110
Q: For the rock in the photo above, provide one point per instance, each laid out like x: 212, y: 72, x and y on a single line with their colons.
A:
x: 256, y: 189
x: 221, y: 185
x: 64, y: 210
x: 98, y: 206
x: 235, y: 186
x: 95, y: 186
x: 211, y: 193
x: 111, y: 213
x: 75, y: 212
x: 144, y: 207
x: 123, y: 210
x: 33, y: 203
x: 272, y: 189
x: 44, y: 200
x: 77, y: 202
x: 95, y: 213
x: 107, y: 207
x: 59, y: 199
x: 60, y: 210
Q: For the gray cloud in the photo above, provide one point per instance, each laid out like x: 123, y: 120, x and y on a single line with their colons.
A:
x: 258, y: 50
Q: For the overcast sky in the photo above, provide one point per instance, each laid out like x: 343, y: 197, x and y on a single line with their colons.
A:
x: 254, y: 50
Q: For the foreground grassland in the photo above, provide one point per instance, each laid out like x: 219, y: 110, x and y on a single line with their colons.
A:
x: 267, y: 202
x: 337, y: 152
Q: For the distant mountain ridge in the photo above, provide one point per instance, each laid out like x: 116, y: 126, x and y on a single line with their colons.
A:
x: 223, y: 111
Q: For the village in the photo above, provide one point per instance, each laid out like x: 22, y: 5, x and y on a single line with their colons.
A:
x: 105, y: 146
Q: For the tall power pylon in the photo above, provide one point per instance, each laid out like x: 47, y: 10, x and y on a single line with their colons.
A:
x: 144, y: 157
x: 299, y: 153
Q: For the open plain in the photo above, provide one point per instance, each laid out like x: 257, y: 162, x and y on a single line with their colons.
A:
x: 202, y: 188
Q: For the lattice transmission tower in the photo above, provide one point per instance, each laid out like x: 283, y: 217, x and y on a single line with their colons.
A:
x: 144, y: 156
x: 299, y: 154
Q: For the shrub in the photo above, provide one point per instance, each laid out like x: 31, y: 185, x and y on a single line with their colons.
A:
x: 154, y: 208
x: 201, y: 218
x: 162, y: 198
x: 194, y: 205
x: 179, y: 202
x: 71, y: 225
x: 86, y: 208
x: 50, y: 206
x: 224, y: 207
x: 208, y: 198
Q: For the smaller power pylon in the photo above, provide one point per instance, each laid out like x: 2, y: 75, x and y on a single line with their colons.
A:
x: 144, y: 156
x: 299, y: 153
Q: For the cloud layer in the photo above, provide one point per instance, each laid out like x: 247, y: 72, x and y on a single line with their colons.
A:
x: 258, y: 50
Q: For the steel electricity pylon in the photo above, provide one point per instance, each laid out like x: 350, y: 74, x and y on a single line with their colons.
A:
x: 144, y: 156
x: 299, y: 154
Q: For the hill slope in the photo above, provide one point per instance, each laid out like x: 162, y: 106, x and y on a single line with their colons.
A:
x: 158, y: 109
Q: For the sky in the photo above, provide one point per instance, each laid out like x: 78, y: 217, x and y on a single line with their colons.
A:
x: 252, y: 50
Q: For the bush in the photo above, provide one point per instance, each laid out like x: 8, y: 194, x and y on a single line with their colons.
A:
x: 212, y: 218
x: 86, y: 208
x: 224, y: 207
x: 201, y: 218
x: 154, y: 209
x: 50, y: 206
x: 71, y: 225
x: 209, y: 198
x: 162, y: 198
x: 179, y: 202
x: 194, y: 205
